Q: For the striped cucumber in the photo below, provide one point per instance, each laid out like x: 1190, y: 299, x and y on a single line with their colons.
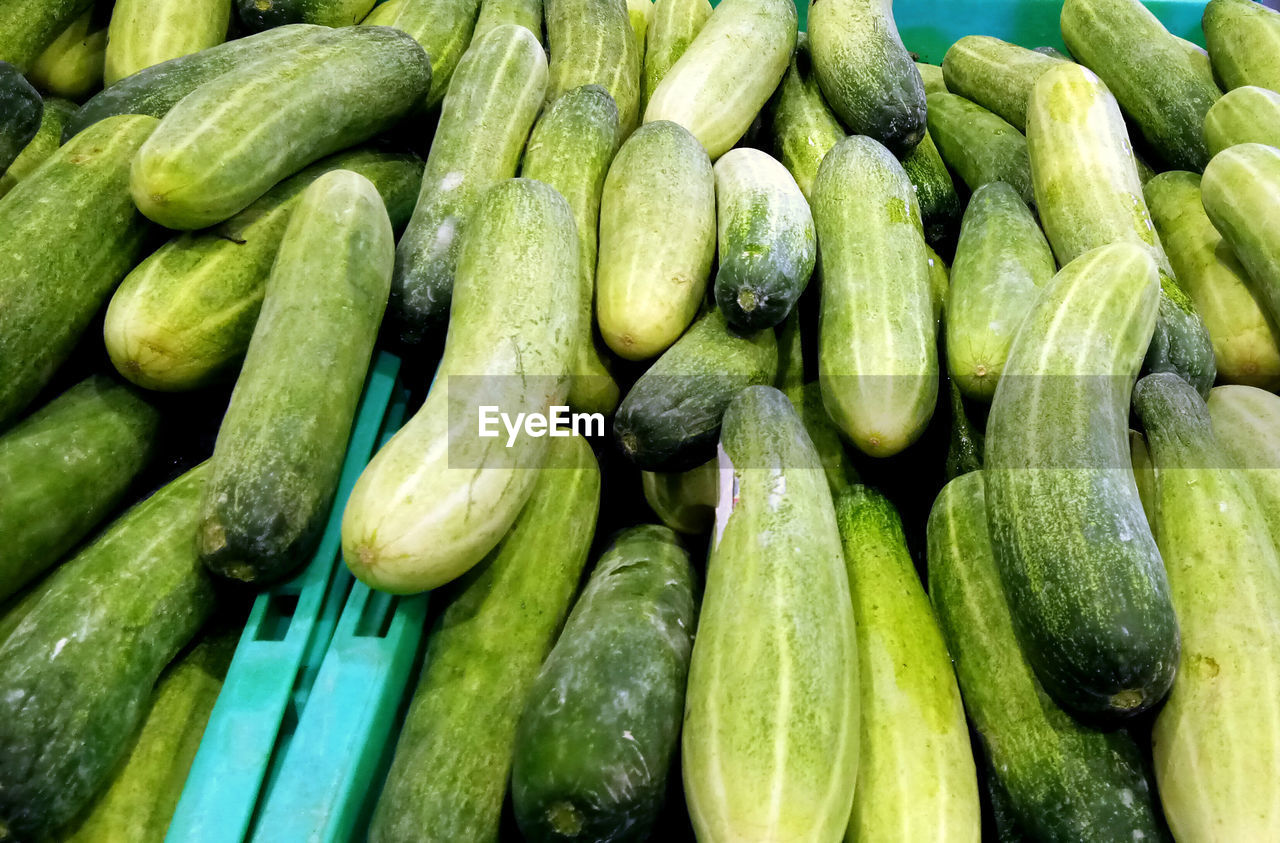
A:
x: 932, y: 78
x: 591, y: 42
x: 1247, y: 423
x: 916, y: 778
x: 437, y: 497
x: 770, y: 744
x: 995, y: 74
x: 444, y: 29
x: 144, y: 33
x: 71, y: 66
x: 382, y: 14
x: 28, y: 27
x: 1243, y: 115
x: 1002, y: 262
x: 804, y: 129
x: 639, y: 12
x: 935, y: 192
x: 673, y: 25
x: 683, y: 500
x: 980, y: 146
x: 44, y: 143
x: 877, y: 355
x: 657, y: 240
x: 495, y: 13
x: 1244, y: 42
x: 1241, y: 195
x: 1217, y: 741
x: 1093, y: 197
x: 1080, y: 567
x: 484, y: 123
x: 21, y: 114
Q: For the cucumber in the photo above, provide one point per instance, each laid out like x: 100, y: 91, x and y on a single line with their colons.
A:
x: 1064, y: 782
x: 1243, y: 115
x: 770, y: 743
x: 78, y: 669
x: 144, y: 791
x: 495, y: 13
x: 673, y: 25
x: 229, y: 141
x: 1088, y: 195
x: 657, y: 239
x: 825, y: 437
x: 444, y: 29
x: 966, y: 443
x: 183, y: 317
x: 28, y: 27
x: 995, y: 74
x: 1247, y: 423
x: 1144, y: 477
x: 1241, y: 195
x: 591, y: 42
x: 939, y: 283
x: 144, y: 33
x: 570, y: 149
x: 69, y: 233
x: 602, y: 720
x: 71, y: 66
x: 670, y: 420
x: 1244, y: 43
x: 157, y: 89
x: 482, y: 660
x: 932, y: 79
x: 484, y: 123
x: 382, y: 14
x: 804, y: 129
x: 916, y: 777
x: 684, y: 500
x: 877, y: 354
x: 261, y: 15
x: 1246, y: 346
x: 1216, y: 743
x: 1145, y: 171
x: 1002, y: 262
x: 66, y: 467
x: 979, y: 146
x: 435, y: 499
x: 719, y: 84
x: 43, y: 144
x: 282, y: 441
x: 1079, y: 564
x: 21, y: 114
x: 638, y: 13
x: 1054, y: 52
x: 1151, y: 74
x: 865, y: 73
x: 766, y: 236
x: 935, y: 192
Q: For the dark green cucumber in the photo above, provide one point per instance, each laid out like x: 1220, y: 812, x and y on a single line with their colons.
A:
x: 964, y: 448
x: 63, y: 469
x: 804, y: 129
x: 591, y: 42
x: 1064, y: 781
x: 683, y: 500
x: 978, y: 145
x: 939, y: 203
x: 483, y: 657
x: 767, y: 242
x: 264, y: 15
x: 1244, y: 115
x: 1241, y: 195
x: 444, y: 29
x: 995, y: 74
x: 282, y: 441
x: 27, y: 27
x: 68, y: 233
x: 21, y: 112
x: 603, y: 718
x: 1244, y: 43
x: 1080, y: 567
x: 78, y: 669
x: 670, y: 419
x: 46, y: 140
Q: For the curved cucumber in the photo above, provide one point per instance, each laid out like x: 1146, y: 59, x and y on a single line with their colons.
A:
x: 935, y: 192
x: 770, y: 744
x: 980, y: 146
x: 1244, y: 43
x: 1079, y: 564
x: 43, y: 144
x: 484, y: 123
x: 1241, y: 195
x: 673, y: 25
x: 1246, y: 421
x: 1243, y: 115
x: 767, y: 241
x: 603, y: 718
x: 28, y: 27
x: 719, y: 84
x: 144, y: 33
x: 21, y: 114
x: 495, y: 13
x: 877, y: 355
x: 657, y: 239
x: 1002, y: 261
x: 72, y: 65
x: 1217, y: 741
x: 683, y: 500
x: 443, y: 28
x: 438, y: 497
x: 591, y: 42
x: 995, y: 74
x: 804, y: 129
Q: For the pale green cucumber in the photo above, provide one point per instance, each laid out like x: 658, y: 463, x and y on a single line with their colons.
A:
x: 71, y: 67
x: 1144, y: 477
x: 673, y: 25
x: 639, y: 12
x: 1244, y: 42
x: 1247, y: 423
x: 939, y: 283
x: 804, y: 129
x: 1241, y: 195
x: 444, y: 29
x: 495, y: 13
x: 995, y: 74
x: 932, y: 78
x: 683, y: 500
x: 46, y: 141
x: 144, y: 33
x: 978, y: 145
x: 1243, y: 115
x: 383, y: 13
x: 591, y: 42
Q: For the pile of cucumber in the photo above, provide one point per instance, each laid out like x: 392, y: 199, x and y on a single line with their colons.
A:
x: 936, y: 490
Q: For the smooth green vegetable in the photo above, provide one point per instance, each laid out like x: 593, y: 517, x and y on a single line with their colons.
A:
x: 591, y: 42
x: 932, y: 78
x: 979, y: 146
x: 673, y: 25
x: 495, y: 13
x: 444, y: 29
x: 43, y: 144
x: 936, y: 193
x: 995, y: 74
x: 1241, y: 195
x: 1247, y: 423
x: 683, y: 500
x: 27, y: 27
x: 71, y: 66
x: 804, y: 129
x: 144, y: 33
x: 1244, y: 115
x: 1244, y: 43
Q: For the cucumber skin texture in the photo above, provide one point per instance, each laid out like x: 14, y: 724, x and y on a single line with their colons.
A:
x: 144, y: 33
x: 433, y: 502
x: 1080, y: 567
x: 27, y: 27
x: 877, y: 349
x: 332, y: 91
x: 80, y: 666
x: 916, y: 778
x: 183, y: 317
x: 767, y: 244
x: 71, y: 232
x: 21, y: 113
x: 683, y: 500
x: 804, y: 129
x: 657, y: 240
x: 1241, y: 195
x: 719, y: 84
x: 71, y: 66
x: 966, y: 443
x: 261, y: 15
x: 282, y: 441
x: 482, y: 660
x: 995, y: 74
x: 571, y: 148
x: 1144, y: 477
x: 1148, y: 71
x: 673, y: 25
x: 1094, y: 197
x: 1244, y: 43
x: 157, y: 89
x: 981, y: 147
x: 495, y: 13
x: 939, y: 283
x: 1002, y: 261
x: 591, y: 42
x: 64, y: 468
x: 939, y: 204
x: 670, y: 420
x: 932, y: 79
x: 1065, y: 782
x: 770, y: 743
x: 444, y: 29
x: 1243, y: 115
x: 384, y: 13
x: 866, y: 75
x: 45, y: 142
x: 1245, y: 342
x: 484, y: 123
x: 1247, y: 420
x: 1216, y: 742
x: 602, y: 721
